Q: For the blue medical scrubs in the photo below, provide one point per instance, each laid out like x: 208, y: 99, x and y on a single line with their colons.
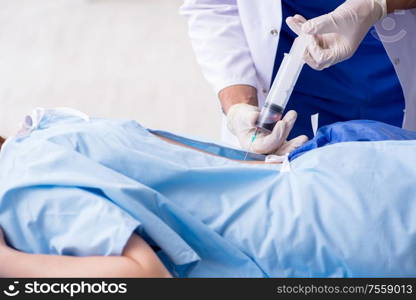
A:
x: 363, y: 87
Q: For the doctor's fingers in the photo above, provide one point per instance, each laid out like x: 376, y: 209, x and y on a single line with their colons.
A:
x: 291, y: 145
x: 295, y: 23
x: 315, y: 44
x: 286, y: 125
x: 311, y: 62
x: 289, y: 119
x: 271, y: 142
x: 325, y: 23
x: 319, y: 58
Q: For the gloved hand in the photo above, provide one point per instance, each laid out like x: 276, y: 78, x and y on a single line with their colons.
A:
x: 338, y: 34
x: 241, y: 121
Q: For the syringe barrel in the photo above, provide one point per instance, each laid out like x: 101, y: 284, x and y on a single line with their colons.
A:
x: 269, y: 116
x: 283, y: 84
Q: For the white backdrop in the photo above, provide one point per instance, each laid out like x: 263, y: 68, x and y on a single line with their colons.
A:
x: 109, y: 58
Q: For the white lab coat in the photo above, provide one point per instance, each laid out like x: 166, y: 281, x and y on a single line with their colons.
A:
x: 235, y: 42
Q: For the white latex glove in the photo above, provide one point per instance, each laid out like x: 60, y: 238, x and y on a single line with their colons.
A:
x: 338, y: 34
x: 241, y: 120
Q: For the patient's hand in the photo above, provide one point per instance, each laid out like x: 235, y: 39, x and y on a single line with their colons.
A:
x: 2, y: 241
x: 3, y: 246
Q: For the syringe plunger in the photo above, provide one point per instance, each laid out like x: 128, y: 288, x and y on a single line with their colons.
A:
x: 283, y: 85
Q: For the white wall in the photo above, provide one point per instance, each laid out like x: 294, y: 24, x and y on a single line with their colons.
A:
x: 111, y: 58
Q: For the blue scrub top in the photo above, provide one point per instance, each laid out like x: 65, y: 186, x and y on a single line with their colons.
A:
x: 363, y: 87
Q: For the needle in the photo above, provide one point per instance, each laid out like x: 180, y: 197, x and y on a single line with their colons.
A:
x: 251, y: 144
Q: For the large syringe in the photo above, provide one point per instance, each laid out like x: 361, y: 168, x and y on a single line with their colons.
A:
x: 282, y: 88
x: 283, y: 85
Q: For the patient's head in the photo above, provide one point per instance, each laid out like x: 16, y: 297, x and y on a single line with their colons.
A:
x: 1, y: 141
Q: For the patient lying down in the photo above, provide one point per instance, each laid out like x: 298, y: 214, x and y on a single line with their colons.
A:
x: 137, y: 260
x: 108, y: 198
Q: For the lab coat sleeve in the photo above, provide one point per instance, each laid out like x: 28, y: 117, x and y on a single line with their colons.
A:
x: 219, y: 42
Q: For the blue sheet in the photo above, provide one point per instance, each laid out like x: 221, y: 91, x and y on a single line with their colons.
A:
x: 78, y: 187
x: 360, y: 130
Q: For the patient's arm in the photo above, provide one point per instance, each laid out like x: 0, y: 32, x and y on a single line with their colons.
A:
x: 138, y: 260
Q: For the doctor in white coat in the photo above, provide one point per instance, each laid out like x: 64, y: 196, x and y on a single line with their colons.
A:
x: 354, y: 71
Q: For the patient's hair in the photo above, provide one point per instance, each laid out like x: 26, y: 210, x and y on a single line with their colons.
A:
x: 1, y: 141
